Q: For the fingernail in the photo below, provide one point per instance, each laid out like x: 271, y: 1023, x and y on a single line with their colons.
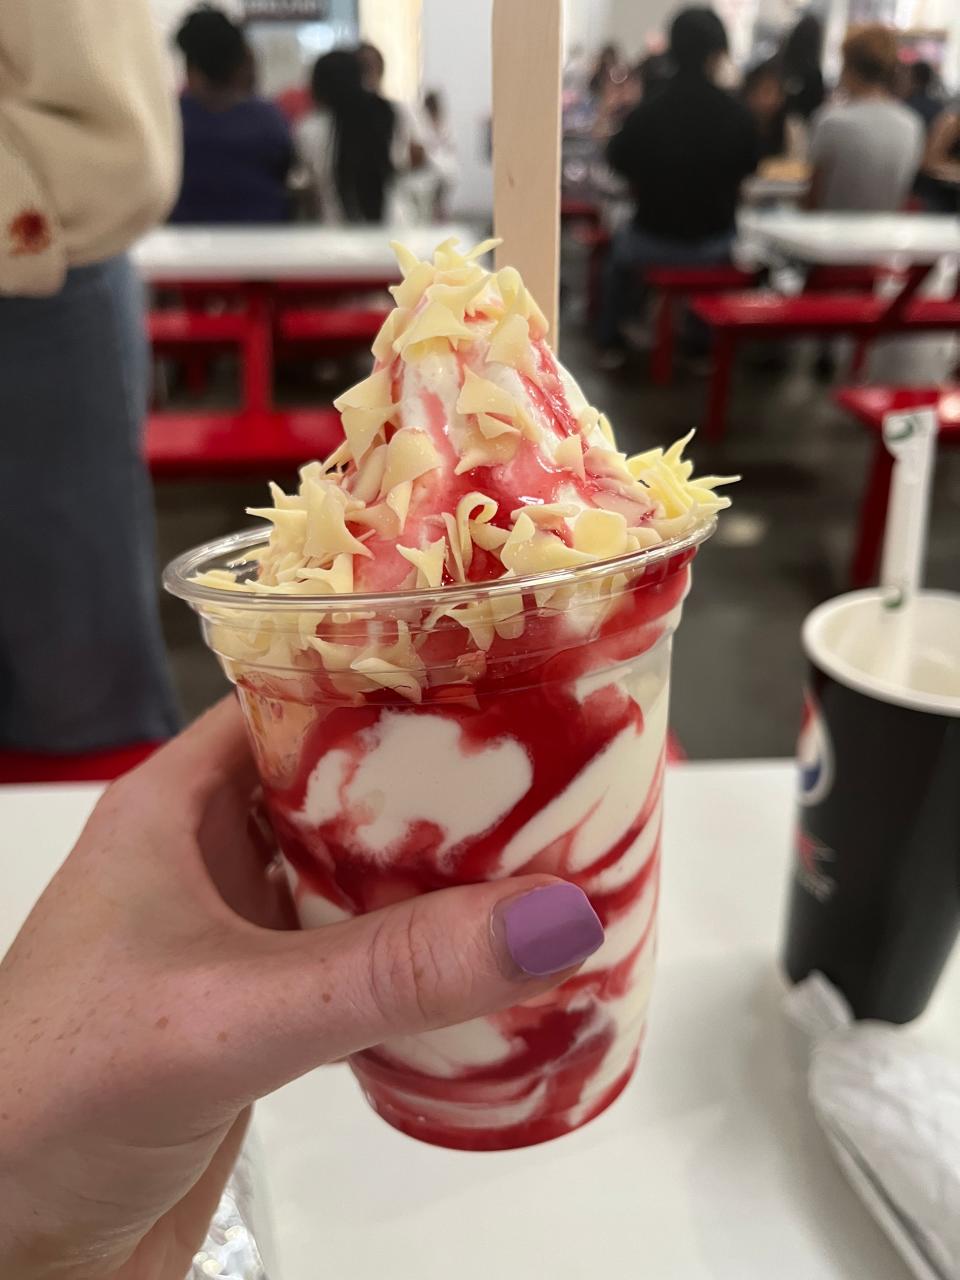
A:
x: 549, y: 929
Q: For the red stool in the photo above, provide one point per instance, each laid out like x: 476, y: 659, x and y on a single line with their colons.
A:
x: 672, y: 283
x: 870, y: 405
x: 18, y: 768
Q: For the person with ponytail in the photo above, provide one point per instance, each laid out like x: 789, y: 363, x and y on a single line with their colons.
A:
x: 238, y: 150
x: 345, y: 144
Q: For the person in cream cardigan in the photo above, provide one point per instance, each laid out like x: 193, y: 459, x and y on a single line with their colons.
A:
x: 89, y: 160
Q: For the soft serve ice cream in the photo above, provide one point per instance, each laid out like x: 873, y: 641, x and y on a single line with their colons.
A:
x: 453, y: 653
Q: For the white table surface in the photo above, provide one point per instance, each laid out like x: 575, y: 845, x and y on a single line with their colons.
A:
x: 759, y: 189
x: 709, y: 1167
x: 284, y: 253
x: 855, y: 238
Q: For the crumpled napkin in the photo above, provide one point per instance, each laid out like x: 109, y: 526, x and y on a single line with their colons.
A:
x: 239, y: 1235
x: 891, y: 1111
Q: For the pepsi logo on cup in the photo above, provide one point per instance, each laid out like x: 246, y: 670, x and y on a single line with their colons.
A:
x: 814, y: 754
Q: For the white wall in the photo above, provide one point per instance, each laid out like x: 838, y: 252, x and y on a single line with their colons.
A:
x: 586, y: 23
x: 455, y: 44
x: 394, y: 27
x: 633, y: 23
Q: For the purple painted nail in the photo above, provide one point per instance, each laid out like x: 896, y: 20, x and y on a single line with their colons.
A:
x: 550, y: 929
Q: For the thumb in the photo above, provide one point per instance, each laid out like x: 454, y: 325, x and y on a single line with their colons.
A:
x: 428, y: 962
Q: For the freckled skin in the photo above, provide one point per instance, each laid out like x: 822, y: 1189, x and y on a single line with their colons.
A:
x: 159, y: 942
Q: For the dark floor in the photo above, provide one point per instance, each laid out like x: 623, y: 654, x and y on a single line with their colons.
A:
x: 783, y: 547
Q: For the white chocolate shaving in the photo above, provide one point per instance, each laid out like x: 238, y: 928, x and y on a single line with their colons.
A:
x: 407, y: 260
x: 466, y: 507
x: 529, y: 551
x: 455, y: 564
x: 381, y: 518
x: 410, y: 454
x: 365, y: 409
x: 389, y: 676
x: 458, y: 297
x: 488, y: 536
x: 398, y: 500
x: 569, y: 454
x: 414, y: 285
x: 428, y: 562
x: 510, y: 341
x: 326, y: 526
x: 547, y: 515
x: 479, y: 395
x: 481, y: 452
x: 390, y: 331
x: 366, y: 486
x: 602, y: 534
x: 490, y: 428
x: 434, y: 321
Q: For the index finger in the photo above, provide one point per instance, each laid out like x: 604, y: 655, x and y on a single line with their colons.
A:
x: 213, y: 753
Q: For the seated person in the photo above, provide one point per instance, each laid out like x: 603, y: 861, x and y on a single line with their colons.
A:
x: 918, y: 82
x: 237, y: 148
x: 865, y: 150
x: 345, y: 144
x: 685, y: 151
x: 764, y: 96
x: 939, y: 181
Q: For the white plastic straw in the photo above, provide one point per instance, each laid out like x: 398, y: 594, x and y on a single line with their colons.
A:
x: 912, y: 439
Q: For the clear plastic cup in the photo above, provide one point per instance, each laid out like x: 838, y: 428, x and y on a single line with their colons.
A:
x: 416, y: 740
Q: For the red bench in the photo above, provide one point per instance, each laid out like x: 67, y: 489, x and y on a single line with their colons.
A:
x: 733, y: 316
x: 757, y: 316
x: 672, y: 283
x: 191, y: 445
x: 20, y: 768
x: 195, y: 333
x: 869, y: 406
x: 330, y: 327
x: 576, y: 209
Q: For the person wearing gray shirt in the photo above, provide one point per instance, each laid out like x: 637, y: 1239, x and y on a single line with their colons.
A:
x: 866, y: 150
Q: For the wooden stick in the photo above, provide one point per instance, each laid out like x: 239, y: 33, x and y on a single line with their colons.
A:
x: 527, y: 82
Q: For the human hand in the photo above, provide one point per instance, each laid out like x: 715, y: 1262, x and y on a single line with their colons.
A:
x: 157, y: 989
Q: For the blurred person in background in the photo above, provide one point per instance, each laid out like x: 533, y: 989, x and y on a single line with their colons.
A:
x: 685, y: 153
x: 619, y: 99
x: 609, y: 70
x: 764, y: 96
x: 408, y: 151
x: 800, y: 58
x: 88, y: 162
x: 866, y: 149
x: 918, y: 81
x: 940, y: 177
x: 654, y: 72
x: 780, y: 136
x: 442, y: 168
x: 346, y: 144
x: 238, y: 149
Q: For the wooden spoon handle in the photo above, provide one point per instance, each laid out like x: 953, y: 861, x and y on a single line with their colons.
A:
x: 527, y: 84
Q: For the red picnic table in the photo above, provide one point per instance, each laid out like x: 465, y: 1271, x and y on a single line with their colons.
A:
x: 257, y: 290
x: 907, y: 245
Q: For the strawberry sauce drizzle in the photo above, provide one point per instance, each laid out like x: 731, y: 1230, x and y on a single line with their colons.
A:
x: 558, y: 1052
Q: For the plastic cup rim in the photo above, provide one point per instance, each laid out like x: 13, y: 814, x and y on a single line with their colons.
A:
x: 845, y: 673
x: 178, y: 578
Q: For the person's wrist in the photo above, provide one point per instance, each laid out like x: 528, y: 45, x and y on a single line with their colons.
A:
x: 30, y: 1254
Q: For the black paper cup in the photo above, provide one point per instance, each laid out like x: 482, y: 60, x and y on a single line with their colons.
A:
x: 875, y: 891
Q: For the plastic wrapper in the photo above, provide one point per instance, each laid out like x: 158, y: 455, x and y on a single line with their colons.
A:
x: 890, y: 1108
x: 239, y: 1243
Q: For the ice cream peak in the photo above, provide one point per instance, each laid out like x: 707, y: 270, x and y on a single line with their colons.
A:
x: 469, y: 455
